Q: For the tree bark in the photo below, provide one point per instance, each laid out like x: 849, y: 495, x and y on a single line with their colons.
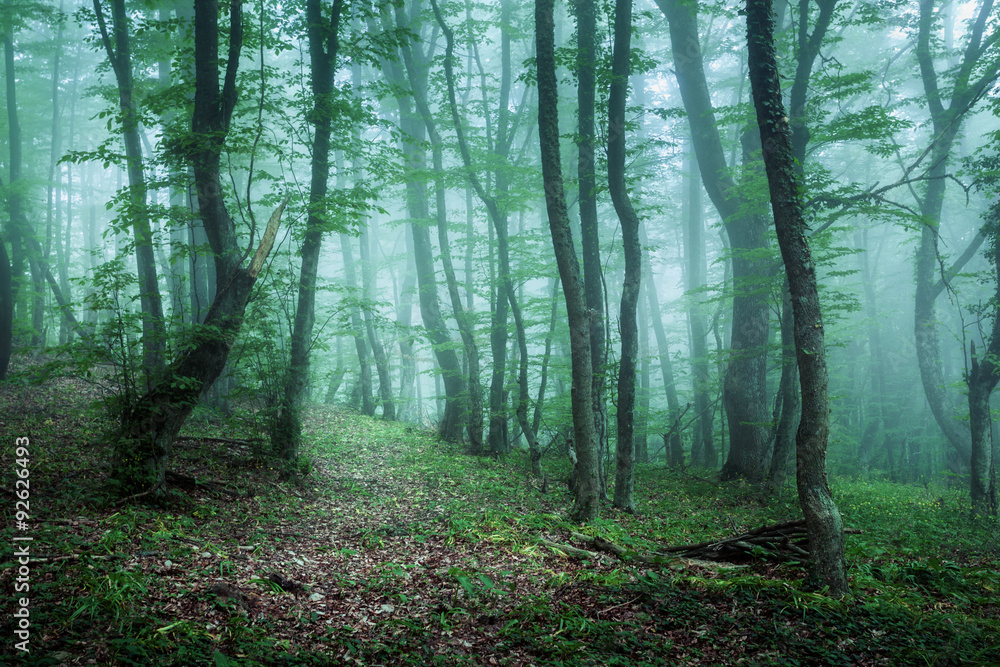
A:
x: 586, y: 505
x: 703, y: 450
x: 506, y: 300
x: 823, y: 520
x: 618, y: 96
x: 323, y: 46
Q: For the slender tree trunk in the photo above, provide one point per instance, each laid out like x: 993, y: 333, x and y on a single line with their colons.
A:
x: 703, y: 441
x: 357, y: 328
x: 586, y: 505
x: 536, y: 418
x: 789, y: 401
x: 675, y: 446
x: 590, y: 241
x: 642, y: 414
x: 404, y: 316
x: 6, y: 310
x: 625, y: 473
x: 118, y: 47
x: 506, y: 300
x: 825, y: 525
x: 970, y: 78
x: 323, y: 46
x: 418, y: 82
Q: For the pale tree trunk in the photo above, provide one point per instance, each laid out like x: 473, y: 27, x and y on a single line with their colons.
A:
x: 323, y: 46
x: 788, y: 403
x: 587, y: 487
x: 378, y: 350
x: 117, y: 45
x: 696, y: 270
x: 357, y: 329
x: 675, y: 445
x: 463, y: 316
x: 506, y: 300
x: 823, y: 520
x: 971, y: 78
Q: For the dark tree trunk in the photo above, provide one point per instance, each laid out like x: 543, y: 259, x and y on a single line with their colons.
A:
x: 744, y: 388
x: 414, y: 135
x: 323, y: 46
x: 152, y: 423
x: 618, y: 96
x: 506, y: 300
x: 590, y: 241
x: 119, y: 53
x: 982, y: 380
x: 586, y: 491
x: 823, y: 520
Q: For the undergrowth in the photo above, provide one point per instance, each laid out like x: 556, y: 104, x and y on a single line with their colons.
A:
x: 405, y: 550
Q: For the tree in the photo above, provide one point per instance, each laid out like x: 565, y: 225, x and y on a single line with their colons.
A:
x: 590, y: 238
x: 624, y: 476
x: 412, y: 140
x: 152, y: 422
x: 967, y: 82
x: 119, y: 50
x: 823, y: 520
x: 745, y: 390
x: 586, y: 505
x: 323, y: 46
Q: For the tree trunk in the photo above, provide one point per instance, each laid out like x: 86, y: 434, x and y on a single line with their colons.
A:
x: 675, y: 446
x: 6, y: 311
x: 982, y: 381
x: 744, y: 388
x: 323, y: 46
x: 946, y: 121
x: 696, y: 269
x: 418, y: 83
x: 590, y: 241
x: 789, y: 401
x: 823, y: 520
x: 586, y: 505
x: 378, y: 350
x: 506, y: 300
x: 152, y: 423
x: 357, y: 329
x: 119, y: 53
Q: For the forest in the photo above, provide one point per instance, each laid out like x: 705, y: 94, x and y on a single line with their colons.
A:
x: 508, y: 333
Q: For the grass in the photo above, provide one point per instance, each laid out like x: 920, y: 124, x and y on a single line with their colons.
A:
x: 411, y: 552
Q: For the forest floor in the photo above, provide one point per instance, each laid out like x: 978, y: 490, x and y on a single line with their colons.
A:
x: 393, y: 548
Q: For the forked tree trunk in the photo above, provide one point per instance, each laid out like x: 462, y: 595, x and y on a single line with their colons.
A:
x: 823, y: 520
x: 153, y: 421
x: 744, y: 387
x: 586, y: 491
